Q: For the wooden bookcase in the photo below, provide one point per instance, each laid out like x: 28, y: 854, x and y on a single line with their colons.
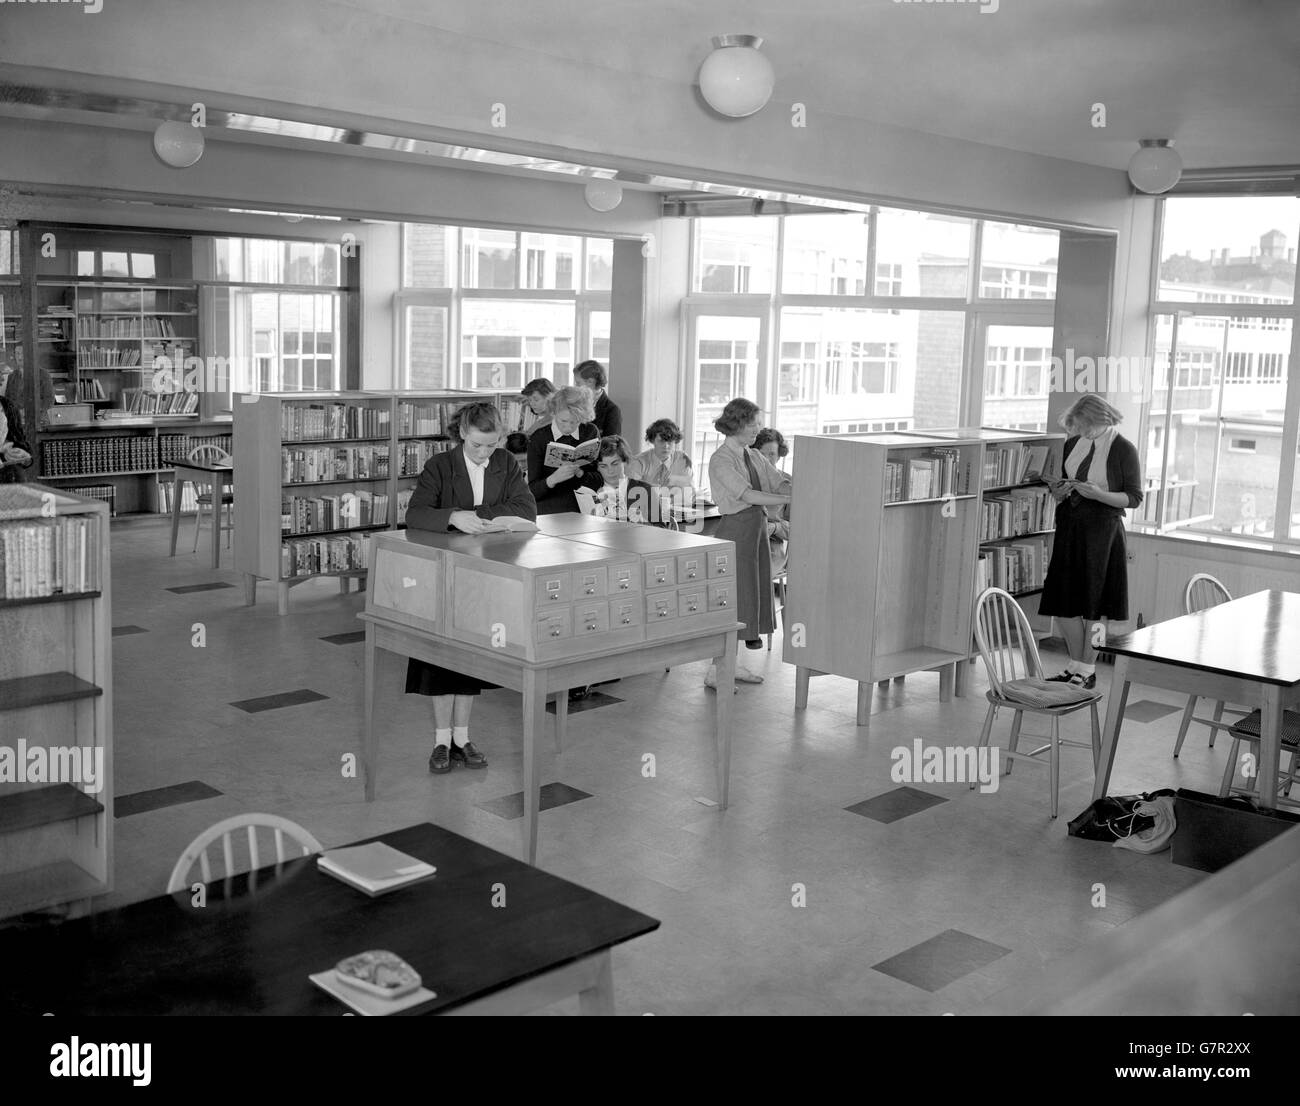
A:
x: 887, y: 586
x: 56, y: 835
x: 413, y: 427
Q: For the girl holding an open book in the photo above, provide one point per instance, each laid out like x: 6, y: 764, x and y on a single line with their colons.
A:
x: 463, y: 489
x: 553, y: 485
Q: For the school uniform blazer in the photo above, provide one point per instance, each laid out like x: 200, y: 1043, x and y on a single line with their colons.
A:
x: 444, y: 487
x: 1123, y: 472
x: 609, y: 419
x: 556, y: 500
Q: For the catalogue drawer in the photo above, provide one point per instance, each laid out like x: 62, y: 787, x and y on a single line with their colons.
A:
x: 552, y: 587
x: 589, y: 582
x: 624, y: 576
x: 722, y: 596
x: 721, y: 563
x: 660, y: 570
x: 554, y: 624
x: 660, y: 606
x: 691, y: 566
x: 591, y: 617
x: 693, y: 600
x: 624, y: 613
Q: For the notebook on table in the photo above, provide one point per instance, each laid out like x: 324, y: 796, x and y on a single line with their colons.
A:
x: 375, y: 869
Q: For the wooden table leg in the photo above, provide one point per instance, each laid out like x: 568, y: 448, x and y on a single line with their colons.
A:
x: 598, y: 999
x: 369, y: 764
x: 947, y: 677
x: 800, y: 687
x: 282, y: 598
x: 534, y: 692
x: 561, y: 719
x: 1114, y: 719
x: 217, y: 512
x: 962, y: 678
x: 178, y: 489
x: 1270, y: 745
x: 864, y: 701
x: 726, y: 670
x: 250, y: 589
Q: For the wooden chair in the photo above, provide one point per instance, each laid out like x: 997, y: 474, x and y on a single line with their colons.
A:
x: 197, y: 850
x: 778, y: 587
x: 1202, y: 592
x: 1247, y: 729
x: 215, y: 455
x: 1007, y: 646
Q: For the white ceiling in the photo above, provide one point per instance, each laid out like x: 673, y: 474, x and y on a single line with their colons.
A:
x: 1220, y: 77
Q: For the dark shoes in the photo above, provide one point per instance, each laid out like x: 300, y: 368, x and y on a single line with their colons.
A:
x: 467, y: 755
x: 441, y: 759
x: 1075, y: 679
x: 754, y: 643
x: 577, y: 694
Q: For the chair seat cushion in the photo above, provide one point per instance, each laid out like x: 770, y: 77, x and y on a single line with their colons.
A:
x: 206, y: 497
x: 1033, y: 691
x: 1248, y: 728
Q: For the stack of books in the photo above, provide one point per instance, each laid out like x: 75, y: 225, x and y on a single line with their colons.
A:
x: 312, y: 556
x: 1007, y: 464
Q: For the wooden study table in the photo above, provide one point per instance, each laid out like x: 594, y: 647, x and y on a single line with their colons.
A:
x: 1245, y: 651
x: 214, y: 476
x: 251, y: 950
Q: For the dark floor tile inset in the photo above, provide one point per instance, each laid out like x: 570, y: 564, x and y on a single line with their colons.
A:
x: 896, y: 804
x: 123, y: 631
x: 941, y: 960
x: 188, y: 588
x: 1148, y: 710
x: 140, y: 802
x: 591, y: 702
x: 553, y: 794
x: 352, y: 637
x: 281, y: 699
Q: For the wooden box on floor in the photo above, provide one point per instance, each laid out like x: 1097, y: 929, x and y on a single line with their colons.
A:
x: 881, y: 585
x: 554, y: 595
x: 56, y: 820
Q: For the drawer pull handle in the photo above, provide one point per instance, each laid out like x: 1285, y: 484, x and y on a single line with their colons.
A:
x: 691, y: 575
x: 591, y: 591
x: 591, y: 625
x: 693, y: 607
x: 623, y: 586
x: 722, y: 602
x: 663, y: 614
x: 555, y: 632
x: 627, y: 621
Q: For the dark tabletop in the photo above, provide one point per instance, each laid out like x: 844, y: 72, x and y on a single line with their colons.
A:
x: 251, y: 953
x: 1256, y: 637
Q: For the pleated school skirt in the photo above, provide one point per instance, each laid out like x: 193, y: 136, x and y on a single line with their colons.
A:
x: 754, y: 607
x: 1087, y: 576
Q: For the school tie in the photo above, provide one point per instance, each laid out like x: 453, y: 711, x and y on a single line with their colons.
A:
x: 1086, y: 464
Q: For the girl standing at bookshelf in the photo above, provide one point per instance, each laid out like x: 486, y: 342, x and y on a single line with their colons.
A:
x: 1087, y: 577
x: 572, y: 411
x: 15, y: 453
x: 460, y: 490
x: 738, y: 475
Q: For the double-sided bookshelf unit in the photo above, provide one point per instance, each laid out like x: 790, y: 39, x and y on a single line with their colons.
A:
x: 56, y: 763
x: 886, y: 586
x: 317, y: 473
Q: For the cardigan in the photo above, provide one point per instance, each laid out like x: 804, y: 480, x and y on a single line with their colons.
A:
x: 445, y: 487
x: 1123, y: 473
x: 556, y: 500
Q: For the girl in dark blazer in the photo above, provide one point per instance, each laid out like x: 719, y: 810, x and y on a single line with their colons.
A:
x: 619, y: 495
x: 459, y: 490
x: 1087, y: 577
x: 572, y: 410
x: 15, y: 453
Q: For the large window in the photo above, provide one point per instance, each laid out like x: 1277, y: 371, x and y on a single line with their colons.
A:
x: 1220, y: 415
x: 516, y: 306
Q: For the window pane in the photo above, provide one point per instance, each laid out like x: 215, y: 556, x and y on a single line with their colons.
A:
x: 734, y: 255
x: 487, y: 258
x: 930, y: 254
x: 493, y: 334
x: 549, y: 260
x: 1017, y: 373
x: 86, y: 263
x: 598, y: 326
x: 1018, y: 262
x: 825, y: 255
x: 142, y: 266
x: 302, y: 264
x: 600, y: 264
x: 726, y: 367
x: 1229, y: 249
x: 428, y: 256
x: 115, y: 264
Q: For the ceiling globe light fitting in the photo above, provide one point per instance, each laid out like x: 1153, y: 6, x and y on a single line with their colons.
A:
x: 603, y: 195
x: 179, y: 145
x: 1156, y: 167
x: 736, y: 79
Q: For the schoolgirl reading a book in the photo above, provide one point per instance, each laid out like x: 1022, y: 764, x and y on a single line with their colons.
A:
x: 572, y: 411
x: 465, y: 489
x: 616, y: 495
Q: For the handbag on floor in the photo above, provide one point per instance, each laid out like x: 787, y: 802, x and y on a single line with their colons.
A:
x: 1114, y: 816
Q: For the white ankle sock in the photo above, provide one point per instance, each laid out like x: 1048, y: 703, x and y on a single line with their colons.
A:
x: 441, y: 737
x: 1085, y: 669
x: 1073, y: 666
x: 460, y: 735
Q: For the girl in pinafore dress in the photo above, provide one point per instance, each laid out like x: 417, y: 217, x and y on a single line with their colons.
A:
x: 1087, y: 577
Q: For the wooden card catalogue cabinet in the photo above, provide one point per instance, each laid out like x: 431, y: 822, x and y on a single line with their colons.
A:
x: 575, y: 588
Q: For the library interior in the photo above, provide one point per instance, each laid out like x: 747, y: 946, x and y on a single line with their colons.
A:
x: 613, y: 491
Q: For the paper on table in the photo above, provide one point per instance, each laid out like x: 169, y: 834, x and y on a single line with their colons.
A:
x: 369, y: 1005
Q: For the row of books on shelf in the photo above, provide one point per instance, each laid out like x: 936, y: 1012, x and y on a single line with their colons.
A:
x: 91, y: 389
x: 1008, y: 464
x: 414, y: 455
x: 167, y: 496
x: 109, y: 357
x: 304, y: 422
x: 300, y: 514
x: 425, y: 417
x: 304, y: 465
x: 75, y: 456
x: 89, y: 326
x: 1016, y: 567
x: 1022, y: 511
x: 52, y: 330
x: 935, y: 474
x: 145, y: 401
x: 514, y: 411
x: 49, y: 557
x: 312, y: 556
x: 105, y: 492
x: 177, y: 447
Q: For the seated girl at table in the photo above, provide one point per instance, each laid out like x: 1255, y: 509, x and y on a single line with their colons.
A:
x: 662, y: 465
x: 458, y: 491
x: 616, y: 494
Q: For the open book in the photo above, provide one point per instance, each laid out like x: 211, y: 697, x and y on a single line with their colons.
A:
x: 512, y: 523
x: 375, y: 868
x: 557, y: 453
